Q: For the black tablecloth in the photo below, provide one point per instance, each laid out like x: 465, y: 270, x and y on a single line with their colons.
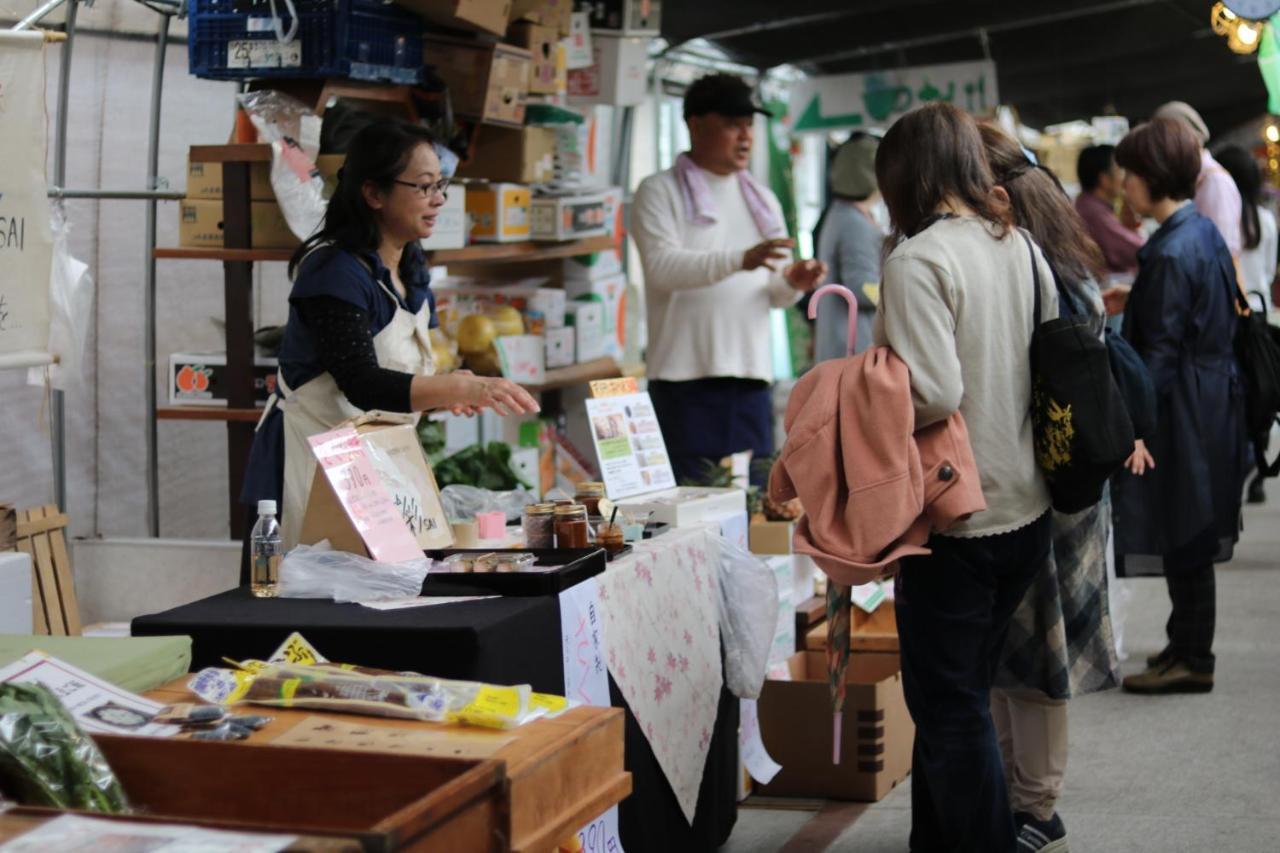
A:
x: 498, y: 640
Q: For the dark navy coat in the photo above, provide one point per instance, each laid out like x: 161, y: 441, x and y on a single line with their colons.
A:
x: 1181, y: 319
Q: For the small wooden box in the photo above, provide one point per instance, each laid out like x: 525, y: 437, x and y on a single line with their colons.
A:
x: 868, y: 632
x: 389, y: 802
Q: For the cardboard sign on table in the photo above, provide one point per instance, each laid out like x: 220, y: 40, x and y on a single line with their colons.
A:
x: 374, y: 492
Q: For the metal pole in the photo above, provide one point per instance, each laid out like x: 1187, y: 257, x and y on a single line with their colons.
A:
x: 58, y: 416
x: 149, y: 290
x: 118, y: 195
x: 35, y: 17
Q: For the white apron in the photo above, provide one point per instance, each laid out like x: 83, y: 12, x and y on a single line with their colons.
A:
x: 319, y: 406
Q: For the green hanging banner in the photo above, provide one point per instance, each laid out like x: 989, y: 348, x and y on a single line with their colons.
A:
x: 1269, y: 64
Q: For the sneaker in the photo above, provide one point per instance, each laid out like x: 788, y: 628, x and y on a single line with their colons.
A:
x: 1040, y: 836
x: 1172, y: 677
x: 1161, y: 658
x: 1257, y: 490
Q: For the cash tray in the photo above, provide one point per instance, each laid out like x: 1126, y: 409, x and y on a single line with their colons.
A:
x: 575, y: 566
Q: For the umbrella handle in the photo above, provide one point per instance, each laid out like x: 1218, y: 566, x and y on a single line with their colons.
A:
x: 836, y: 731
x: 848, y: 297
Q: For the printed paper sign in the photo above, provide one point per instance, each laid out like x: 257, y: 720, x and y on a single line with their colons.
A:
x: 869, y: 596
x: 586, y: 680
x: 96, y: 705
x: 751, y: 745
x: 524, y: 358
x: 374, y: 515
x: 26, y: 243
x: 296, y: 649
x: 629, y: 444
x: 876, y: 98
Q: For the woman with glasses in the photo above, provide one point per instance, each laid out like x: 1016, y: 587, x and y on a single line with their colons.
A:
x: 360, y: 311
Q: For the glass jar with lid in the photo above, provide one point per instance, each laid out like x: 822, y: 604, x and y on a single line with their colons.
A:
x: 589, y: 495
x: 571, y: 527
x: 538, y: 522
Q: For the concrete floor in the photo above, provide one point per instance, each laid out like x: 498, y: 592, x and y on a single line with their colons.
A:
x: 1173, y: 773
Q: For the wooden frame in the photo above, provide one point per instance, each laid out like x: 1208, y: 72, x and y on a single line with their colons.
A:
x: 41, y: 534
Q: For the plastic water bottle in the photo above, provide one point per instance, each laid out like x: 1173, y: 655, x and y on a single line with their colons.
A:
x: 266, y: 552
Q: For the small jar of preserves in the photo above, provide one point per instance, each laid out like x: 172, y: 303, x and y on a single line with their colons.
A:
x: 539, y: 526
x: 589, y: 495
x: 571, y: 527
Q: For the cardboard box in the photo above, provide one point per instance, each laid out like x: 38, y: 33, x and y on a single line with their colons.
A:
x: 518, y: 155
x: 548, y: 13
x: 561, y: 349
x: 200, y: 225
x: 687, y: 505
x: 200, y: 379
x: 784, y: 632
x: 547, y: 73
x: 499, y: 212
x: 612, y: 292
x: 489, y: 16
x: 772, y: 537
x: 586, y: 268
x: 631, y: 17
x: 876, y: 631
x: 451, y: 223
x: 204, y: 181
x: 397, y: 454
x: 568, y: 217
x: 587, y: 319
x: 876, y: 737
x: 488, y: 82
x: 618, y: 76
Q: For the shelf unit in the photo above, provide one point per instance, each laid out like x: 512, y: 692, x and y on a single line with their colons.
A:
x: 238, y: 257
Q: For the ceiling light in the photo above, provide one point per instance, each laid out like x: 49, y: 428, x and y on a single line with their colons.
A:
x: 1242, y: 35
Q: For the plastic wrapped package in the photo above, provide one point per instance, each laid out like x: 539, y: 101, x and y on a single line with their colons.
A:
x: 46, y: 760
x: 71, y: 312
x: 317, y: 571
x: 357, y: 690
x: 467, y: 502
x: 748, y: 617
x: 293, y: 131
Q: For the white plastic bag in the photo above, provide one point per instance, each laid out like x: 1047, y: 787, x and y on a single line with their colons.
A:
x: 317, y: 571
x: 70, y: 312
x: 748, y: 617
x: 292, y: 129
x: 461, y: 502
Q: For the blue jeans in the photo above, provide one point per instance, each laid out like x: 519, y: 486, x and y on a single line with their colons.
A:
x: 953, y: 609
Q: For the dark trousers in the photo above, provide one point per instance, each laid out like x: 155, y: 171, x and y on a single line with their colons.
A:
x: 705, y: 420
x: 1188, y: 571
x: 953, y: 609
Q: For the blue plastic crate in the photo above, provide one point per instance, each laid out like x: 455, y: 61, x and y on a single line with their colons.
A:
x: 361, y: 39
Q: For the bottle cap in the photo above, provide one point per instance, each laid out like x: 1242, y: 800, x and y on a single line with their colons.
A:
x: 266, y: 507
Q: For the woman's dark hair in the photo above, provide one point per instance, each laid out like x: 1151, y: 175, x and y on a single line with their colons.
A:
x: 1094, y: 162
x: 1165, y: 153
x: 1244, y: 170
x: 928, y: 155
x: 378, y: 153
x: 1041, y: 206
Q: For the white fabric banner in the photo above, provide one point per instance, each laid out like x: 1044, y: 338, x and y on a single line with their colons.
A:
x: 26, y: 246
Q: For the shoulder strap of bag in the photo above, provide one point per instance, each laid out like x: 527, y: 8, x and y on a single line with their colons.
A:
x: 1035, y: 275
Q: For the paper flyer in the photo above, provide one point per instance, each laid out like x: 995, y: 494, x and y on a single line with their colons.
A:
x: 72, y: 832
x: 629, y: 444
x: 754, y: 756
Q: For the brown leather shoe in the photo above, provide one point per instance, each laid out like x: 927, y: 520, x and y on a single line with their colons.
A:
x: 1173, y: 677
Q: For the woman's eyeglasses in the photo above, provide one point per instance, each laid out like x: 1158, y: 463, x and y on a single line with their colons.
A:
x: 427, y: 190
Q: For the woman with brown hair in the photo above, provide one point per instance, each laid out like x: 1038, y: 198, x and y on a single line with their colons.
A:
x: 1181, y: 318
x: 957, y: 305
x: 1060, y: 642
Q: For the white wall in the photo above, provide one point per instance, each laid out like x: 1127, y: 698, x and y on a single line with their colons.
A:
x: 110, y: 95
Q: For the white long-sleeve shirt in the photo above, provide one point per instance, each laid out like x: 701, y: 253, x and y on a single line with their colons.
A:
x: 707, y: 317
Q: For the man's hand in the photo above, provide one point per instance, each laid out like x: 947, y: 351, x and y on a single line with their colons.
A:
x: 767, y: 254
x: 806, y: 275
x: 1115, y: 299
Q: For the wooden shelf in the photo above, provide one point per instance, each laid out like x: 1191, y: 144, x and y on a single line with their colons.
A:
x: 481, y: 253
x: 207, y: 413
x: 254, y: 152
x: 249, y: 255
x: 579, y: 374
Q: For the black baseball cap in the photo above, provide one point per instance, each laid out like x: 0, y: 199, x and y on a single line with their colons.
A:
x: 726, y: 94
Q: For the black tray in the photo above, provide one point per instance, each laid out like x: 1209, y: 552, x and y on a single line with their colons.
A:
x: 576, y: 565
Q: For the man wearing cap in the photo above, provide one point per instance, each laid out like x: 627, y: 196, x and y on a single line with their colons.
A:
x: 715, y: 253
x: 850, y: 241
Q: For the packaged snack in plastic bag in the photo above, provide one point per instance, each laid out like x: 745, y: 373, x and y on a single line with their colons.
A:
x: 358, y: 690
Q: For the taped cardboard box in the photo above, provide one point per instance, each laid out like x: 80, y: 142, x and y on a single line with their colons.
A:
x: 451, y: 222
x: 487, y: 82
x: 200, y: 379
x: 618, y: 76
x: 204, y: 181
x: 393, y: 446
x: 549, y: 13
x: 200, y: 225
x: 772, y: 537
x: 569, y: 217
x: 490, y: 16
x: 519, y: 155
x: 612, y: 293
x: 499, y: 212
x: 876, y: 737
x: 548, y: 74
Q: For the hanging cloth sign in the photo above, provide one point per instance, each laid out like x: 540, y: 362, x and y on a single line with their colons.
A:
x: 876, y: 98
x: 26, y: 244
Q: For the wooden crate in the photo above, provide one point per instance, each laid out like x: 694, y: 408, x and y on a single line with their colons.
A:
x: 21, y: 820
x: 560, y: 774
x: 868, y: 632
x: 41, y: 532
x: 387, y: 802
x: 8, y: 527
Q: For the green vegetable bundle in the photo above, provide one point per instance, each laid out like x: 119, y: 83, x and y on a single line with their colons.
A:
x: 46, y: 760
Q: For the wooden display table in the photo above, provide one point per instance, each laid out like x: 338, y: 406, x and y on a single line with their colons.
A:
x: 560, y: 774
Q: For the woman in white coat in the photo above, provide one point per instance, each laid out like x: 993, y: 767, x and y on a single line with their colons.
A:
x: 360, y: 311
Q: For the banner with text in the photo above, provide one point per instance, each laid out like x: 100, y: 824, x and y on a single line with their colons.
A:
x: 26, y: 244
